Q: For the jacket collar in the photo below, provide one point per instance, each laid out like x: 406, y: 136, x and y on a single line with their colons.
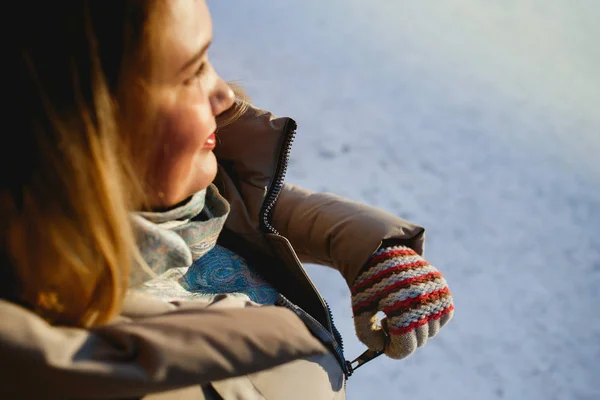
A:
x: 252, y: 153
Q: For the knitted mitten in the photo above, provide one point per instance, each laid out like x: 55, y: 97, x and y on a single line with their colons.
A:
x: 411, y: 292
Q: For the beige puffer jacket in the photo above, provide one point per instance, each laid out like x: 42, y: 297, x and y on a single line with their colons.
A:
x: 154, y: 346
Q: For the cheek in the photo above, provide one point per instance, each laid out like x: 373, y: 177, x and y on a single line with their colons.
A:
x: 182, y: 132
x: 181, y: 135
x: 185, y: 119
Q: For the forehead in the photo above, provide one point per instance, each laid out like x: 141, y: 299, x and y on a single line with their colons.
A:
x: 187, y: 27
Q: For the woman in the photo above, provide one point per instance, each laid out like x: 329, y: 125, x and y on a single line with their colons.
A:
x: 115, y: 109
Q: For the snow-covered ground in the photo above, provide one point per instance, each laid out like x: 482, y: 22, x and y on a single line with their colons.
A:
x: 480, y: 121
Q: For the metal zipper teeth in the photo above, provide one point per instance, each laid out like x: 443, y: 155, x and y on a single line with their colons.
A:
x: 337, y: 336
x: 272, y: 195
x: 336, y: 332
x: 275, y: 189
x: 322, y: 332
x: 281, y: 170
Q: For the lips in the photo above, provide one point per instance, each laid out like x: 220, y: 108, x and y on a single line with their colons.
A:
x: 211, y: 142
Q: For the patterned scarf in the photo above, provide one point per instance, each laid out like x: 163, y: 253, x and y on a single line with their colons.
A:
x: 183, y: 259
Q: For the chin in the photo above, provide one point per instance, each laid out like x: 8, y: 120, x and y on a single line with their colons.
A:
x: 205, y: 171
x: 200, y: 175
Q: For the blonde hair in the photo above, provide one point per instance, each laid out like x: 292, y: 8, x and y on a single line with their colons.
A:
x: 70, y: 178
x: 68, y: 182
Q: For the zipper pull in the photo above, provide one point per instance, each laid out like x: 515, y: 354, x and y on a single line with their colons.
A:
x: 361, y: 360
x: 369, y: 355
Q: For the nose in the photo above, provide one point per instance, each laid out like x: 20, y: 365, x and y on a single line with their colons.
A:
x: 222, y: 98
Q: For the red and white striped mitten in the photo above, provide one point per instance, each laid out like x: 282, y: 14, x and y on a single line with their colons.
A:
x: 411, y: 292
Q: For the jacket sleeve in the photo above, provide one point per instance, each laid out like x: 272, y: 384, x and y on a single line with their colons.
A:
x: 191, y: 343
x: 330, y: 230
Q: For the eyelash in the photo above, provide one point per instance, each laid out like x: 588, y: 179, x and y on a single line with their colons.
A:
x: 196, y: 75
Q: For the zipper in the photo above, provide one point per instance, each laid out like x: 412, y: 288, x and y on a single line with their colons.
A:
x: 336, y: 333
x: 319, y: 331
x: 280, y: 171
x: 266, y: 212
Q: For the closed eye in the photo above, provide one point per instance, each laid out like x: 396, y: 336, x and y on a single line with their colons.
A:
x: 196, y: 75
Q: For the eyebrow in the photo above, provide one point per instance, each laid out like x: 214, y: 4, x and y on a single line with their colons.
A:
x: 195, y: 57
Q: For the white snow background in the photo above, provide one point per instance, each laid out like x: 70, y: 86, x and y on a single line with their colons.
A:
x: 479, y: 120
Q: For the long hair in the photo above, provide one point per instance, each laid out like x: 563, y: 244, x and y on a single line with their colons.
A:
x: 67, y: 176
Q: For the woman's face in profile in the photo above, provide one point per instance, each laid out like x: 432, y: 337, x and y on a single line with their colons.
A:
x: 189, y: 94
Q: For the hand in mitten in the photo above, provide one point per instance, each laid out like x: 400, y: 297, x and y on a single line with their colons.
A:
x: 411, y: 292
